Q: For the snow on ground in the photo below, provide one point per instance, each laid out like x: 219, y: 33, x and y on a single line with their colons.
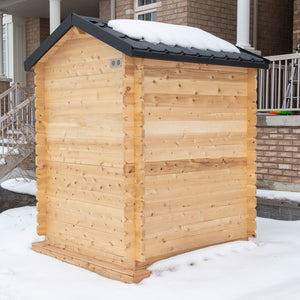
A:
x: 264, y: 268
x: 170, y: 34
x: 278, y: 195
x: 20, y: 185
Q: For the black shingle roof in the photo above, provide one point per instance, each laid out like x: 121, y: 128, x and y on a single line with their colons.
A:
x: 139, y: 48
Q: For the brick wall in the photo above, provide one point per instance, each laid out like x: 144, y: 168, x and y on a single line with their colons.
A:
x: 104, y: 9
x: 44, y: 29
x: 296, y: 23
x: 174, y: 12
x: 275, y: 22
x: 278, y: 155
x: 217, y: 17
x: 37, y: 30
x: 32, y: 42
x: 122, y: 9
x: 4, y: 85
x: 275, y: 26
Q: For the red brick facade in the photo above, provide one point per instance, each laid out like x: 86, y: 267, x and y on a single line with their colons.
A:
x: 275, y: 27
x: 104, y: 9
x: 4, y: 85
x: 278, y: 154
x: 123, y: 9
x: 175, y: 12
x: 32, y: 42
x: 37, y: 30
x: 296, y: 23
x: 217, y: 17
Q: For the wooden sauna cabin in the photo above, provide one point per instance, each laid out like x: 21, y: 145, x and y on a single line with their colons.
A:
x: 144, y: 150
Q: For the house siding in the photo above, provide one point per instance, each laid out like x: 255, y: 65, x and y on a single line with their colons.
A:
x: 123, y: 9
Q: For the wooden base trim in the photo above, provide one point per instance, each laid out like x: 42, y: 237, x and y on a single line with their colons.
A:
x: 109, y: 270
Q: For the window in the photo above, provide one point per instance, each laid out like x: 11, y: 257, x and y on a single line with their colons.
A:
x: 146, y: 9
x: 145, y: 2
x: 150, y: 16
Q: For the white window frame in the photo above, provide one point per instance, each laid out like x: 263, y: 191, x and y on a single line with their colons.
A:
x: 144, y: 9
x: 136, y: 16
x: 15, y: 47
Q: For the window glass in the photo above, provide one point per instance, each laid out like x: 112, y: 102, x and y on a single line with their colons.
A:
x: 151, y: 16
x: 145, y: 2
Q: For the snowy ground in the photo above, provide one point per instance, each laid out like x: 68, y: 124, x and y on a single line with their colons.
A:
x: 264, y: 268
x: 20, y: 185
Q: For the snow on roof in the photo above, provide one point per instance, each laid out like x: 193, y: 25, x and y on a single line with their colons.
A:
x: 172, y: 35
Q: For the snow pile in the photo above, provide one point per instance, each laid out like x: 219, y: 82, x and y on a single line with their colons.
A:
x: 2, y: 161
x: 278, y: 195
x: 169, y: 34
x: 20, y: 185
x: 264, y: 268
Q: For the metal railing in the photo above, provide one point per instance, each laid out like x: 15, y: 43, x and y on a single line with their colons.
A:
x: 17, y: 127
x: 279, y: 86
x: 9, y: 99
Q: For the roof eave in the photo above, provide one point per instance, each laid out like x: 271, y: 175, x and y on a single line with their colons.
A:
x: 199, y: 59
